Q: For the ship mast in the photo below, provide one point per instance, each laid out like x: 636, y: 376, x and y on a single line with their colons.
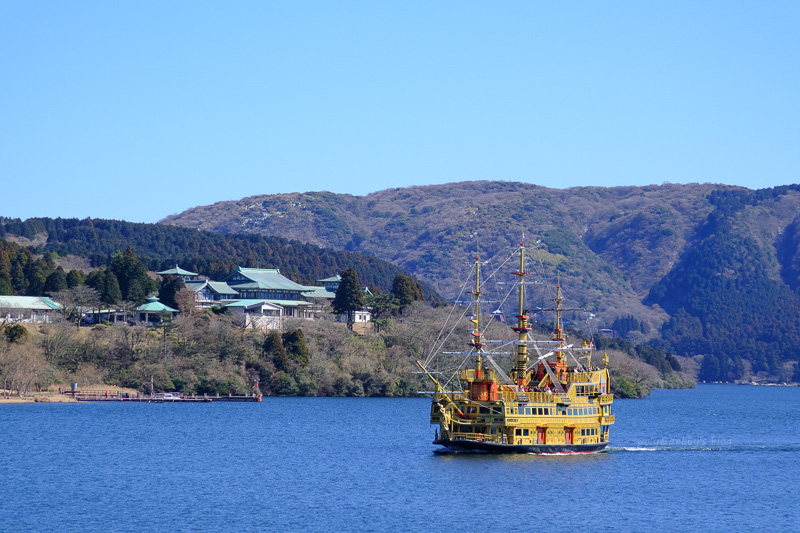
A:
x: 522, y: 327
x: 477, y: 338
x: 558, y: 334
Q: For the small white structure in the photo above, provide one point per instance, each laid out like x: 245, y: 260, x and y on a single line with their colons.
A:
x: 259, y: 314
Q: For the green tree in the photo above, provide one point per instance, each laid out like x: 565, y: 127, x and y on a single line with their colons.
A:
x: 349, y: 296
x: 75, y: 278
x: 111, y: 293
x: 710, y: 368
x: 18, y: 281
x: 15, y: 333
x: 295, y: 344
x: 57, y: 281
x: 381, y: 307
x: 169, y: 287
x: 273, y: 348
x: 37, y: 280
x: 5, y: 286
x: 406, y: 290
x: 132, y: 276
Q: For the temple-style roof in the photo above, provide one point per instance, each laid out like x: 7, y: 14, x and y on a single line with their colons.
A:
x: 318, y: 292
x: 219, y: 287
x: 29, y: 302
x: 262, y: 278
x: 154, y: 306
x: 251, y: 303
x: 334, y: 279
x: 177, y: 271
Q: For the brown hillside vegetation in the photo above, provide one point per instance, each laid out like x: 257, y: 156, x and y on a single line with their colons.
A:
x: 207, y: 353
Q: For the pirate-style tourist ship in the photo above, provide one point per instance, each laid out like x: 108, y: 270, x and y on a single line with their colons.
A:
x: 544, y: 405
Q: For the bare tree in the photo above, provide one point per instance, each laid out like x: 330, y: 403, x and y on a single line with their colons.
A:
x: 127, y: 307
x: 185, y: 298
x: 76, y: 300
x: 21, y: 364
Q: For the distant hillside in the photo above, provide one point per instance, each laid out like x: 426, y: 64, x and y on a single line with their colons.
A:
x: 211, y: 254
x: 656, y: 253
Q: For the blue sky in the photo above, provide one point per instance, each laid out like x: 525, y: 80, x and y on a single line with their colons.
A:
x: 136, y: 110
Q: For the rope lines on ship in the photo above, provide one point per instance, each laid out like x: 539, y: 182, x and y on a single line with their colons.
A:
x: 437, y: 346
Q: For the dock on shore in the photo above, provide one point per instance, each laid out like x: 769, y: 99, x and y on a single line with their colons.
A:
x: 103, y: 396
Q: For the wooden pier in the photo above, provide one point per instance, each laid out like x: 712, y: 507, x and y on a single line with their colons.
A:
x: 104, y: 396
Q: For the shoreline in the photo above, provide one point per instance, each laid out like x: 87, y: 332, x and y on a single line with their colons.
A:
x: 38, y: 398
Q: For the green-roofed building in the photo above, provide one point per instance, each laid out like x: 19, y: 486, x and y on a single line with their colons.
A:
x: 313, y: 292
x: 210, y: 293
x: 270, y: 285
x: 32, y: 309
x: 153, y: 310
x: 332, y: 283
x: 178, y: 272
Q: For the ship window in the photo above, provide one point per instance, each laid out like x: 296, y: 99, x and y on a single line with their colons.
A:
x: 527, y: 411
x: 569, y: 412
x: 519, y: 432
x: 546, y: 411
x: 484, y: 410
x: 525, y: 432
x: 583, y: 433
x: 541, y: 411
x: 494, y: 430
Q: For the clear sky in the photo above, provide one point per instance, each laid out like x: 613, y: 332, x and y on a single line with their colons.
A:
x: 136, y: 110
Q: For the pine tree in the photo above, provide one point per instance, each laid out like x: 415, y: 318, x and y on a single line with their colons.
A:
x: 295, y: 344
x: 75, y: 278
x: 132, y: 276
x: 57, y: 281
x: 170, y: 286
x: 349, y: 295
x: 709, y: 368
x: 18, y: 281
x: 273, y: 348
x: 37, y: 281
x: 111, y: 293
x: 5, y: 286
x: 406, y: 290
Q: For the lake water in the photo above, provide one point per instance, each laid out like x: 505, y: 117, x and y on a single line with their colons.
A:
x: 717, y: 458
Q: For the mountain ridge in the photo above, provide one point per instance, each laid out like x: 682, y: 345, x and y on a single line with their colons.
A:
x: 611, y: 246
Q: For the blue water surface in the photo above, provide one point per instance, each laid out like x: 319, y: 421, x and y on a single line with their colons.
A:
x: 717, y: 458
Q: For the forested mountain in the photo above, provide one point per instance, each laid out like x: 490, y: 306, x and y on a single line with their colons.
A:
x: 702, y: 269
x: 160, y: 247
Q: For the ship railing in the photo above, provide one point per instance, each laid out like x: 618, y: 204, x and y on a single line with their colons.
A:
x: 608, y: 419
x: 606, y: 399
x: 534, y: 397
